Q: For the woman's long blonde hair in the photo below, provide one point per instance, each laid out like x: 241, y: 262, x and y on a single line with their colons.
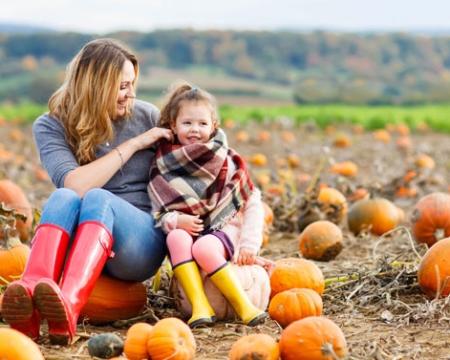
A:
x: 86, y: 102
x: 183, y: 91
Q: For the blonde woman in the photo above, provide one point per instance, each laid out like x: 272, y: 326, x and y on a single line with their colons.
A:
x: 94, y: 143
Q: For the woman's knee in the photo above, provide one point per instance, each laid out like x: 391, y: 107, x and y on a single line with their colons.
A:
x: 96, y: 205
x: 97, y: 196
x: 62, y: 208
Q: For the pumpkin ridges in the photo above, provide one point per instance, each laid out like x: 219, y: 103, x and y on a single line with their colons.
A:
x: 135, y: 346
x: 321, y: 240
x: 255, y: 346
x: 13, y: 262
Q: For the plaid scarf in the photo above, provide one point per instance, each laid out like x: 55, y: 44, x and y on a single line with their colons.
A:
x: 192, y: 179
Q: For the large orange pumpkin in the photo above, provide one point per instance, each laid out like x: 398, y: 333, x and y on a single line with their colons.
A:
x: 313, y: 338
x: 13, y: 262
x: 135, y: 346
x: 114, y: 299
x: 434, y: 271
x: 172, y: 339
x: 253, y: 278
x: 295, y: 304
x: 16, y: 346
x: 292, y: 273
x: 255, y: 346
x: 321, y: 240
x: 377, y: 215
x: 14, y: 197
x: 431, y: 218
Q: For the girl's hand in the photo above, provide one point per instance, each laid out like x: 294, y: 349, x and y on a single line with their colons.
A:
x: 147, y: 139
x: 246, y: 257
x: 192, y: 224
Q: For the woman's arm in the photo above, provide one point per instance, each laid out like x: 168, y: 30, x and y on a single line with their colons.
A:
x: 98, y: 172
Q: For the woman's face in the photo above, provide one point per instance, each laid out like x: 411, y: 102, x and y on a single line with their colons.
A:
x: 126, y: 90
x: 194, y: 123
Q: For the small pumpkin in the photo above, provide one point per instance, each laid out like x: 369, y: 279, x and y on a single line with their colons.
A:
x: 14, y: 197
x: 430, y: 218
x: 253, y: 278
x: 321, y: 240
x: 135, y: 347
x: 255, y: 346
x: 313, y: 338
x: 13, y: 261
x: 242, y: 136
x: 342, y: 141
x: 332, y: 200
x: 433, y: 274
x: 264, y: 136
x: 16, y: 346
x: 295, y: 304
x: 293, y: 161
x: 377, y: 215
x: 345, y: 168
x: 114, y: 299
x: 258, y: 159
x: 382, y: 135
x: 292, y: 273
x: 424, y: 161
x: 171, y: 338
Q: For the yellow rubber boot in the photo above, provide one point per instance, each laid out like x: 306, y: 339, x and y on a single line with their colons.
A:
x: 228, y: 284
x: 189, y: 277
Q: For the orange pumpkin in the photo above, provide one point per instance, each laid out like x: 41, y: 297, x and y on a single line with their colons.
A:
x: 255, y: 346
x: 293, y: 161
x: 135, y: 346
x: 14, y: 197
x: 404, y: 143
x: 264, y: 136
x: 431, y: 218
x: 172, y: 339
x: 434, y: 273
x: 382, y: 135
x: 313, y: 338
x: 242, y: 136
x: 330, y: 199
x: 16, y: 346
x: 342, y: 141
x: 295, y: 304
x: 424, y: 162
x: 377, y: 215
x: 321, y: 240
x: 13, y: 262
x: 292, y: 273
x: 359, y: 194
x: 345, y: 168
x: 258, y: 159
x: 114, y: 299
x: 288, y: 137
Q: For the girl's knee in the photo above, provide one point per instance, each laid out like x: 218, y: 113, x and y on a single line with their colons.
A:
x: 179, y: 235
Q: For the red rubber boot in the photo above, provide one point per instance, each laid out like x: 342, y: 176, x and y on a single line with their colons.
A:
x: 46, y: 259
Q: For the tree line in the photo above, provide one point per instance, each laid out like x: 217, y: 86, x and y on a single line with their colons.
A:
x: 319, y: 67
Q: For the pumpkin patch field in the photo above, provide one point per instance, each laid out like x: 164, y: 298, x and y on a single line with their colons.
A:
x: 357, y: 223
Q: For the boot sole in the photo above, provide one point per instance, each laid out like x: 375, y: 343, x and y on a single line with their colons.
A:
x: 17, y: 306
x: 203, y: 322
x: 258, y: 320
x: 51, y: 307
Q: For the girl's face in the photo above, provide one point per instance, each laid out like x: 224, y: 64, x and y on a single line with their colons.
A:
x: 194, y: 123
x: 126, y: 90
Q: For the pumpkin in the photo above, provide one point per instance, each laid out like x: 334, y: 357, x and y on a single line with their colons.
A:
x: 345, y: 168
x: 114, y: 299
x: 171, y: 338
x: 16, y: 346
x: 287, y: 137
x: 105, y: 345
x: 313, y: 338
x: 293, y: 161
x: 377, y: 215
x: 424, y: 162
x: 258, y: 159
x: 292, y: 273
x: 135, y: 347
x: 268, y: 214
x: 357, y: 129
x: 332, y: 200
x: 402, y: 129
x: 433, y: 274
x: 321, y: 240
x: 342, y: 141
x: 242, y: 136
x: 430, y: 218
x: 359, y: 194
x: 253, y: 278
x: 382, y: 135
x: 13, y: 261
x: 255, y: 346
x: 264, y: 136
x: 14, y: 197
x: 404, y: 143
x: 295, y: 304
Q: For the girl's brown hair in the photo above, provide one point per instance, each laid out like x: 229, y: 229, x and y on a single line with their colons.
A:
x: 86, y: 102
x: 184, y: 91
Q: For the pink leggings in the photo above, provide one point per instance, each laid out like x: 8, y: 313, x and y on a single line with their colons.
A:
x: 207, y: 251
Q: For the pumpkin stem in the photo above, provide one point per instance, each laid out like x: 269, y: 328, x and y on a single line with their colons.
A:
x: 439, y: 234
x: 13, y: 241
x: 327, y: 350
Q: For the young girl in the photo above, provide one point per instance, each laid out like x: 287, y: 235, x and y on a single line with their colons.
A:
x: 204, y: 199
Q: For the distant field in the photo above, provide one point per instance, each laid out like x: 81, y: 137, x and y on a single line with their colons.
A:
x: 436, y: 117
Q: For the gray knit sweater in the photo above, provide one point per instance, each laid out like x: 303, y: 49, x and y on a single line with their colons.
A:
x: 131, y: 183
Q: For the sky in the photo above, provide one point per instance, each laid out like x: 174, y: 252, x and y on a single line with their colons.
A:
x: 102, y: 16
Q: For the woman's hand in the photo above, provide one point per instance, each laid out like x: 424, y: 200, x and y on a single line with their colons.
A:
x: 246, y: 257
x: 147, y: 139
x: 192, y: 224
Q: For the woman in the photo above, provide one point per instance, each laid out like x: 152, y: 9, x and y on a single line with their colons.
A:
x: 95, y: 144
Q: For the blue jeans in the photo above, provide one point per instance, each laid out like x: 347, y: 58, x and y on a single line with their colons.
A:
x: 139, y: 247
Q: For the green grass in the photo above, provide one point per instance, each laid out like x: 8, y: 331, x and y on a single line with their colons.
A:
x: 436, y: 116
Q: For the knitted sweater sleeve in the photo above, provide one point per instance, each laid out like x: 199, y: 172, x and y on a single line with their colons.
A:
x: 252, y: 223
